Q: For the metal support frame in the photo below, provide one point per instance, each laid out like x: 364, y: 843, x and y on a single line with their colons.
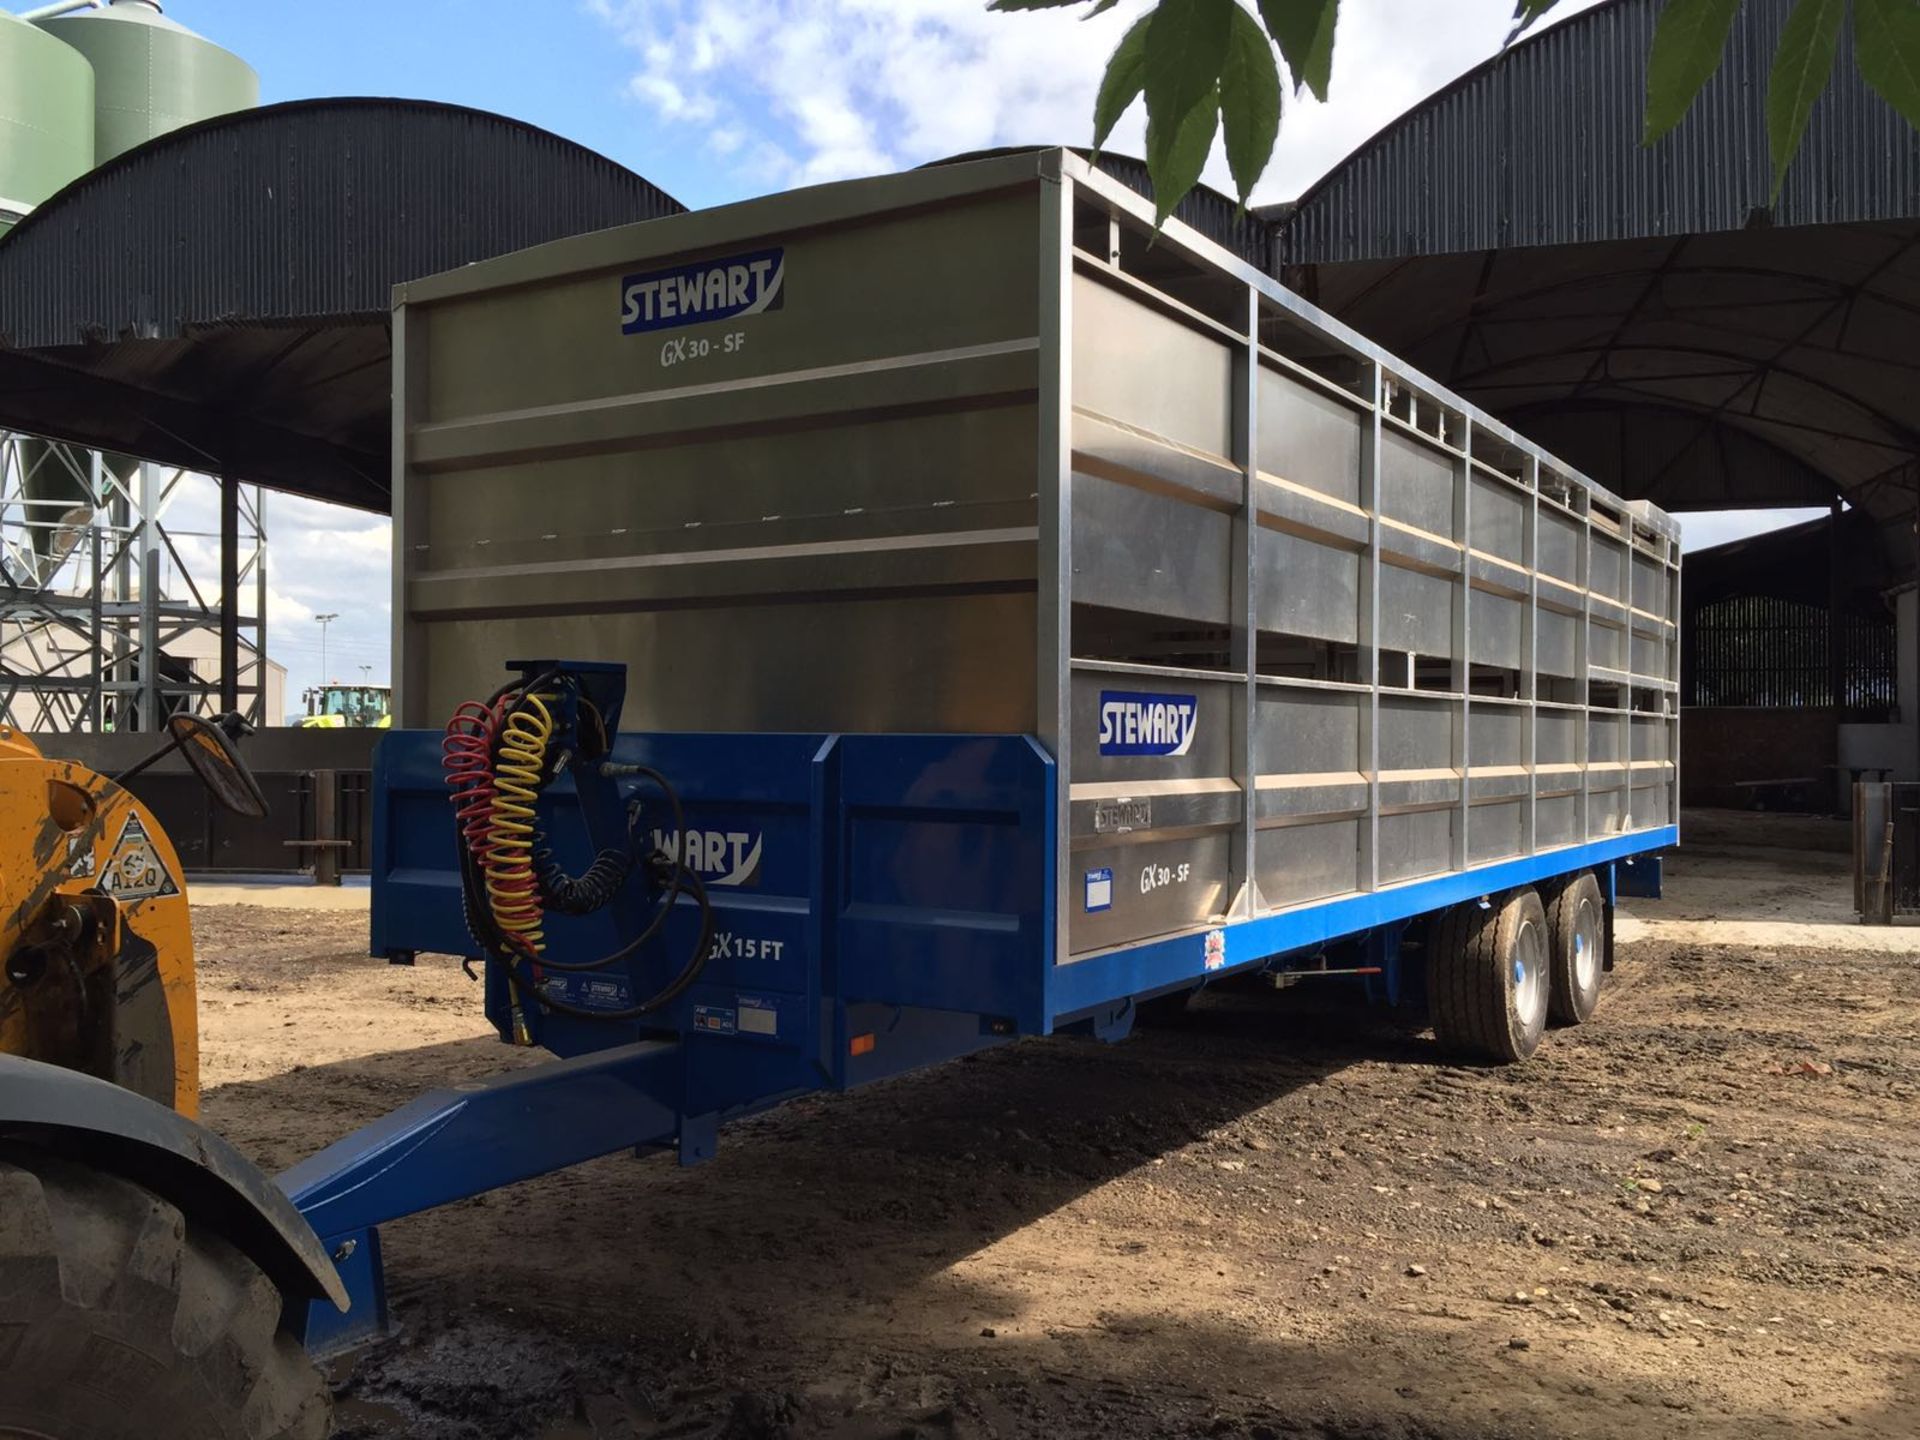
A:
x: 86, y: 599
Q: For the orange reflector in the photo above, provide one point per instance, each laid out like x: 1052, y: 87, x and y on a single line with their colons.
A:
x: 861, y: 1045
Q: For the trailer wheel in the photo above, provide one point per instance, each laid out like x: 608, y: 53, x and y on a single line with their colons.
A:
x: 120, y: 1318
x: 1487, y: 978
x: 1576, y: 924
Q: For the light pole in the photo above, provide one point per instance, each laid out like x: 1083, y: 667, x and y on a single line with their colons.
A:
x: 366, y: 675
x: 325, y: 620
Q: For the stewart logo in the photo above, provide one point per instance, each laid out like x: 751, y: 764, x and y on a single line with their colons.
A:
x: 1140, y: 724
x: 720, y: 857
x: 707, y: 290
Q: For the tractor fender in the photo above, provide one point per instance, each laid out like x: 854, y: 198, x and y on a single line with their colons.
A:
x: 93, y: 1122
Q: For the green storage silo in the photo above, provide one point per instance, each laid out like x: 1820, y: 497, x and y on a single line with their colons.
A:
x: 145, y: 74
x: 46, y: 117
x: 151, y: 74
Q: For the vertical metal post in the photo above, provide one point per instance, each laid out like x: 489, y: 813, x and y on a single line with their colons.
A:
x: 1836, y: 612
x: 1674, y: 609
x: 1245, y: 608
x: 1912, y: 687
x: 1369, y: 627
x: 1583, y: 664
x: 1053, y: 483
x: 326, y: 855
x: 409, y: 661
x: 1461, y: 669
x: 122, y: 672
x: 1530, y: 656
x: 96, y: 657
x: 260, y: 715
x: 229, y: 593
x: 1623, y: 725
x: 149, y: 544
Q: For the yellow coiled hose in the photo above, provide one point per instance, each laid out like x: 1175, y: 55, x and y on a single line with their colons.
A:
x: 512, y: 889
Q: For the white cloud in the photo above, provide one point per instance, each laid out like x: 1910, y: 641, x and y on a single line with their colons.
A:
x: 828, y: 89
x: 800, y: 91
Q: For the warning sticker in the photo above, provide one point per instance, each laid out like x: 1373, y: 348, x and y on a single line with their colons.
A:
x: 133, y: 871
x: 1215, y: 953
x: 79, y: 857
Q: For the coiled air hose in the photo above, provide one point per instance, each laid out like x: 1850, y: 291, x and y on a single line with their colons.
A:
x: 520, y: 757
x: 495, y: 757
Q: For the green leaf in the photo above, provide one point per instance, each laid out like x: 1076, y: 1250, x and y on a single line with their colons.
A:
x: 1687, y: 46
x: 1886, y: 46
x: 1031, y: 4
x: 1177, y: 153
x: 1186, y: 46
x: 1100, y: 9
x: 1126, y: 76
x: 1304, y: 29
x: 1801, y: 68
x: 1249, y: 101
x: 1525, y: 12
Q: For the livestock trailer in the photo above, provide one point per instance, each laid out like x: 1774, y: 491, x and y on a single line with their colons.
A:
x: 969, y: 613
x: 1028, y: 614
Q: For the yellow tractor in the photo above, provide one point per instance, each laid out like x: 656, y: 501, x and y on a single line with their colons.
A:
x: 334, y: 706
x: 144, y: 1264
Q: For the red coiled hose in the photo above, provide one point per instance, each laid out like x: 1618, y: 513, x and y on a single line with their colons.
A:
x: 466, y: 756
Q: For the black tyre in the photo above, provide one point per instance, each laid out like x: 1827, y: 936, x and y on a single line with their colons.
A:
x: 1487, y: 978
x: 121, y: 1319
x: 1577, y: 928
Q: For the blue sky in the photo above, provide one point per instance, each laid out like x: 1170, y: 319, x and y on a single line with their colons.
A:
x: 717, y: 100
x: 553, y: 62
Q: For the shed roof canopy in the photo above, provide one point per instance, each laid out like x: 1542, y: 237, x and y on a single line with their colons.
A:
x: 218, y: 298
x: 1650, y: 314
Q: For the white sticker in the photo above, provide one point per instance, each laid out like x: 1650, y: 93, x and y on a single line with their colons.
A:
x: 1099, y: 890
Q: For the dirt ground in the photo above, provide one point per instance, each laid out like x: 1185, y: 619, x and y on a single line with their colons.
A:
x: 1699, y: 1215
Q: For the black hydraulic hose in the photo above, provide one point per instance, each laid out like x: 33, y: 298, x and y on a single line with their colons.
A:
x: 690, y: 972
x: 594, y: 889
x: 647, y: 772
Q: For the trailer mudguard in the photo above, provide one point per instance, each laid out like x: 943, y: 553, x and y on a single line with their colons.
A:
x: 99, y: 1124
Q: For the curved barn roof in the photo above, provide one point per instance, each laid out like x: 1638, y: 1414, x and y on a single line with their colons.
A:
x: 219, y: 297
x: 1648, y: 313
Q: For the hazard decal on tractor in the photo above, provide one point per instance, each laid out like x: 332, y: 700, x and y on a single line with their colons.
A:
x: 133, y: 871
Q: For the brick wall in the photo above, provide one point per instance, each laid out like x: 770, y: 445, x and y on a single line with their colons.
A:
x: 1719, y: 748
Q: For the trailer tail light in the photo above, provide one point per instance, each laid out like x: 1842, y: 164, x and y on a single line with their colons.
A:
x: 861, y: 1045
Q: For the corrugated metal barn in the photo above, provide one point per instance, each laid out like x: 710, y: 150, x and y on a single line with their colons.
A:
x: 1655, y: 317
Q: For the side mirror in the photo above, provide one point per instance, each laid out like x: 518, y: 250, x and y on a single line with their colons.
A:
x: 210, y: 752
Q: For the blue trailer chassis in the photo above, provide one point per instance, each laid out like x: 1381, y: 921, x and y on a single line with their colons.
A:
x: 882, y: 903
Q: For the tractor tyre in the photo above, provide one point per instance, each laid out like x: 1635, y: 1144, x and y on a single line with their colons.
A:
x: 122, y: 1318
